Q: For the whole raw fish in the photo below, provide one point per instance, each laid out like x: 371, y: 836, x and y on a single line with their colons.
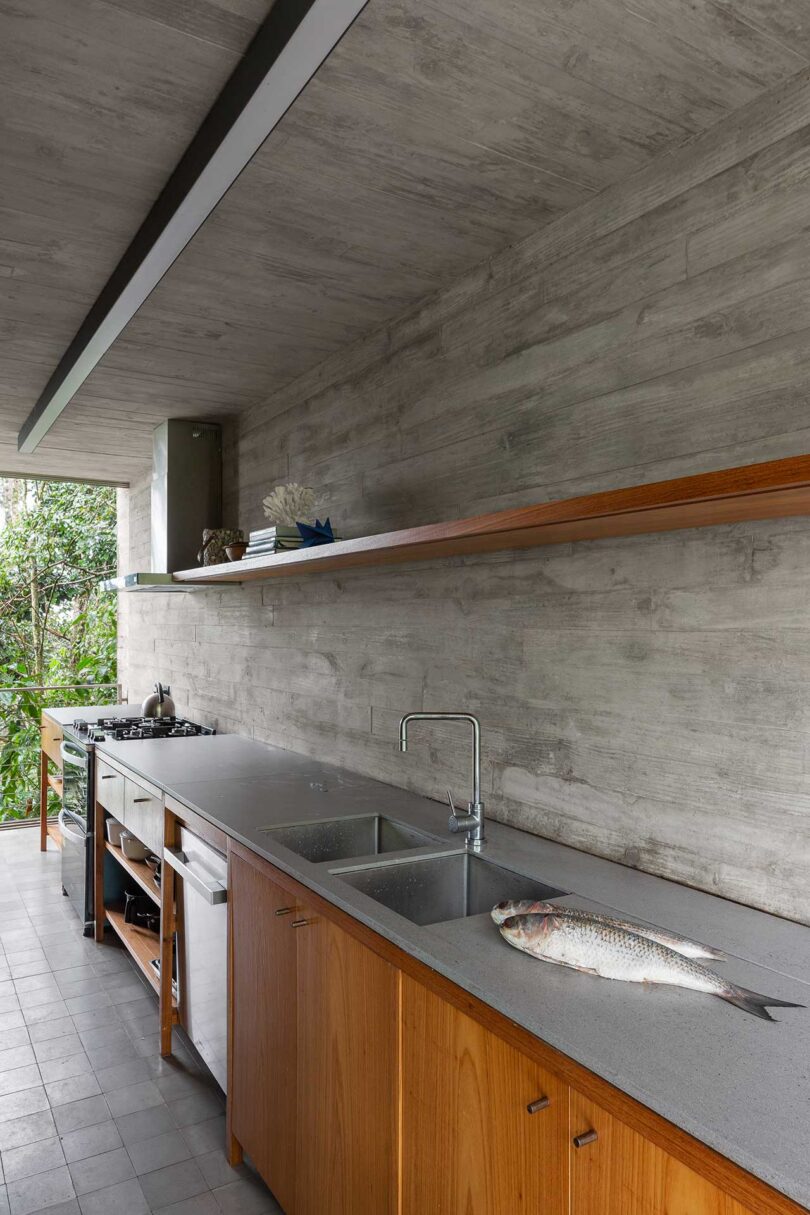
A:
x: 689, y: 949
x: 615, y: 953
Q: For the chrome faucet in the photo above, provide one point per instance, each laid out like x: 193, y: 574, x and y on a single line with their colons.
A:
x: 472, y: 819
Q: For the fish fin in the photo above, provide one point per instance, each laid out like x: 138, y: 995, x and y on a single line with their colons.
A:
x: 755, y: 1004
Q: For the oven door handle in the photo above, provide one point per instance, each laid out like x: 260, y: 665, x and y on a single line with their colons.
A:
x: 70, y: 833
x: 212, y: 891
x: 77, y: 758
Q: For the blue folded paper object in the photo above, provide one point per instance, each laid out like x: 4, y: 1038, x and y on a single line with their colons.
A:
x: 319, y: 533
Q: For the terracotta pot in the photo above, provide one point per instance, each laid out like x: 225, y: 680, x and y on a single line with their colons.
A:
x: 236, y: 551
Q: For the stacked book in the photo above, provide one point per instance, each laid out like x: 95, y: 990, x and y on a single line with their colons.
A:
x: 269, y: 540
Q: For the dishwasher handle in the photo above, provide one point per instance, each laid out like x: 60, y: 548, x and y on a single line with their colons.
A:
x: 212, y: 891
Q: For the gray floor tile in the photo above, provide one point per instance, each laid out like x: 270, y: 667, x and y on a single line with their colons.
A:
x: 46, y: 1030
x: 207, y: 1136
x: 134, y: 1097
x: 97, y: 1018
x: 148, y: 1155
x: 200, y: 1204
x: 65, y: 1068
x: 18, y: 1078
x: 216, y: 1170
x: 32, y: 1158
x: 71, y: 1207
x: 35, y: 983
x: 28, y: 1101
x: 126, y: 1198
x: 40, y: 995
x: 145, y: 1124
x: 37, y: 1193
x: 121, y: 1075
x: 99, y: 1172
x: 75, y: 1088
x: 11, y: 1020
x: 30, y: 1128
x: 52, y: 1011
x: 102, y: 1057
x: 87, y: 1002
x: 16, y: 1056
x: 173, y: 1184
x: 246, y: 1197
x: 57, y: 1048
x: 77, y: 1114
x: 193, y: 1109
x: 91, y: 1141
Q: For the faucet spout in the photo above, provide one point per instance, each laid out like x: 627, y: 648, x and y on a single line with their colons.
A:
x: 473, y: 820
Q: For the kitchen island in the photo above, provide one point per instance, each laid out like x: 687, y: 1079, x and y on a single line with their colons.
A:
x: 735, y: 1083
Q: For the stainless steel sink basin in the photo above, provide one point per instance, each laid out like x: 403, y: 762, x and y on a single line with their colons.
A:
x: 432, y: 889
x: 339, y: 839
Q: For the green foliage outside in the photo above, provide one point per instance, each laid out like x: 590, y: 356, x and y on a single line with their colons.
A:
x: 57, y: 540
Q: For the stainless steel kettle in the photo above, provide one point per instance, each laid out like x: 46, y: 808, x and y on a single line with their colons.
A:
x: 159, y: 703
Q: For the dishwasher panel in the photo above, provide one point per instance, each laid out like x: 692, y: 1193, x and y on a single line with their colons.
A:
x: 202, y: 948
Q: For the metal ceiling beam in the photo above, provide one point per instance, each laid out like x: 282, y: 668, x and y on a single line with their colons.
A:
x: 286, y: 52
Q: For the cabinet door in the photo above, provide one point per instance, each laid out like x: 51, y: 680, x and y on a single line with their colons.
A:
x: 348, y: 1008
x: 110, y: 789
x: 469, y: 1144
x: 622, y: 1173
x: 262, y: 1097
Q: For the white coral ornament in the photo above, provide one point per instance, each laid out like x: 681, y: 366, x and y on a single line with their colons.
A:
x: 290, y: 504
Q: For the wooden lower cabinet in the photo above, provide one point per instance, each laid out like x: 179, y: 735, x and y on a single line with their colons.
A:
x: 622, y: 1173
x: 348, y: 1036
x: 470, y: 1146
x: 314, y: 1052
x: 263, y: 1075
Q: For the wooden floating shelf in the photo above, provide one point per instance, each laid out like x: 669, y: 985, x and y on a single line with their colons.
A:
x: 772, y: 490
x: 56, y: 783
x: 142, y: 946
x: 55, y: 833
x: 139, y: 871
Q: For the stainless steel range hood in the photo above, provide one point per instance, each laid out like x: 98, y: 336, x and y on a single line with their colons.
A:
x: 186, y: 497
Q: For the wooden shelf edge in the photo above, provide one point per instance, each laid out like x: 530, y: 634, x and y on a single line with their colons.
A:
x: 55, y: 783
x: 139, y: 871
x: 141, y: 945
x: 55, y: 833
x: 770, y: 490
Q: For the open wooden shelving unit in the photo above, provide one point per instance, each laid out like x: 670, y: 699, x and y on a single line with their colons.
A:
x: 142, y: 945
x: 139, y: 871
x: 772, y: 490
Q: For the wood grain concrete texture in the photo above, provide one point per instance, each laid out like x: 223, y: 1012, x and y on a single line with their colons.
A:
x: 437, y: 133
x: 644, y: 699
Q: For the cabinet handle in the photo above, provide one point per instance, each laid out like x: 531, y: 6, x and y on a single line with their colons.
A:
x: 585, y: 1138
x: 300, y: 923
x: 141, y: 799
x: 284, y: 910
x: 542, y: 1103
x: 107, y: 776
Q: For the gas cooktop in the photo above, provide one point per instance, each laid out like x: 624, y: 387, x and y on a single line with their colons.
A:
x: 122, y: 729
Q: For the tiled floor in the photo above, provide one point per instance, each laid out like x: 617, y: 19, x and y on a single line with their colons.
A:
x: 92, y: 1121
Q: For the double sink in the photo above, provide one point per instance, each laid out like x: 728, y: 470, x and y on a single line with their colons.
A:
x: 427, y: 889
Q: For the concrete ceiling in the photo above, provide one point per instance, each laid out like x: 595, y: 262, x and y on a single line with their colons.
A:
x: 438, y: 132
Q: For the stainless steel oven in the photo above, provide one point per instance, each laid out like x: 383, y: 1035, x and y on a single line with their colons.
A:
x: 75, y: 821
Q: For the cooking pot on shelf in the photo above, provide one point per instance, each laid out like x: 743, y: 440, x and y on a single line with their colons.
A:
x: 159, y: 703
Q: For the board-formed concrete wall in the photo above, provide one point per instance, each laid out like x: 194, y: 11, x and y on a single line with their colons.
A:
x: 646, y: 699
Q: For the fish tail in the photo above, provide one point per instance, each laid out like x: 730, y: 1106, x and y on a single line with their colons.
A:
x: 755, y: 1004
x: 716, y: 955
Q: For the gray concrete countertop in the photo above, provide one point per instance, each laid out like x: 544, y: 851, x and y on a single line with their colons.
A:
x: 740, y: 1085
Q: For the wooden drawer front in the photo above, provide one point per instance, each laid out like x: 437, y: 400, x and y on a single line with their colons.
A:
x: 52, y: 739
x: 143, y: 815
x: 110, y: 789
